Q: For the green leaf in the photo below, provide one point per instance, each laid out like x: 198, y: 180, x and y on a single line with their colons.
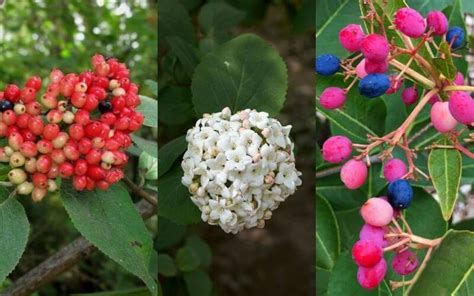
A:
x: 149, y: 165
x: 201, y: 248
x: 322, y: 281
x: 445, y: 167
x: 152, y: 86
x: 219, y: 16
x: 149, y: 109
x: 456, y: 17
x: 186, y: 53
x: 169, y: 153
x: 445, y: 65
x: 148, y: 146
x: 176, y: 106
x: 14, y: 230
x: 467, y: 224
x: 190, y: 4
x: 109, y: 220
x: 166, y: 266
x: 127, y: 292
x: 448, y: 268
x: 174, y: 20
x: 198, y: 283
x: 187, y: 259
x: 169, y: 233
x: 327, y: 235
x: 175, y: 202
x: 245, y: 72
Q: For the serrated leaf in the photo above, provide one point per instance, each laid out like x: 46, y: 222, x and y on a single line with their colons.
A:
x: 445, y: 167
x: 175, y: 202
x: 245, y: 72
x: 14, y: 231
x: 148, y: 146
x: 327, y: 235
x: 198, y: 283
x: 176, y: 106
x: 169, y: 153
x: 448, y: 268
x: 219, y: 16
x: 186, y: 53
x: 149, y: 109
x: 187, y: 259
x: 173, y: 20
x: 201, y: 248
x: 445, y: 65
x: 166, y: 266
x: 109, y: 220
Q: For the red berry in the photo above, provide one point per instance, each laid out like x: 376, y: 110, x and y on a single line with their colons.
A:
x: 53, y: 89
x: 84, y: 145
x: 9, y: 117
x: 28, y: 95
x: 91, y: 103
x: 96, y: 173
x: 40, y: 180
x: 28, y: 135
x: 22, y: 120
x: 118, y: 103
x: 43, y: 164
x: 44, y: 146
x: 93, y: 129
x: 82, y: 117
x: 29, y: 149
x: 50, y: 131
x: 94, y: 156
x: 70, y: 151
x: 53, y: 171
x: 76, y: 131
x: 34, y: 82
x: 79, y: 182
x: 33, y: 108
x: 12, y: 93
x: 36, y: 125
x: 80, y: 167
x: 366, y: 253
x: 90, y: 185
x: 57, y: 155
x: 102, y: 185
x: 108, y: 118
x: 54, y: 116
x: 66, y: 88
x: 122, y: 123
x: 66, y: 169
x: 98, y: 92
x: 114, y: 175
x: 78, y: 99
x: 49, y: 101
x: 60, y: 140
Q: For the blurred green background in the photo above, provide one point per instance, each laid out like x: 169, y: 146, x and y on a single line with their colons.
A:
x: 38, y: 35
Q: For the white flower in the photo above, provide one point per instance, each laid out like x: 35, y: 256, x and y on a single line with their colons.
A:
x: 239, y: 168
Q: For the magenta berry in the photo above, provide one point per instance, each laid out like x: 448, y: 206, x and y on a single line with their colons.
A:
x: 395, y: 84
x: 331, y: 98
x: 375, y: 47
x: 441, y: 117
x: 351, y: 37
x: 370, y: 277
x: 461, y: 106
x: 409, y: 22
x: 394, y: 169
x: 375, y: 67
x: 367, y: 253
x: 377, y: 212
x: 459, y: 79
x: 437, y: 22
x: 354, y: 173
x: 410, y: 95
x: 336, y: 149
x: 373, y: 233
x: 405, y: 262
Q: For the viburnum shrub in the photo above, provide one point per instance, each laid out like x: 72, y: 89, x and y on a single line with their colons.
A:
x: 401, y: 117
x: 77, y: 128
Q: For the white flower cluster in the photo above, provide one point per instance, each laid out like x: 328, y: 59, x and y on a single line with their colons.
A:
x: 239, y: 168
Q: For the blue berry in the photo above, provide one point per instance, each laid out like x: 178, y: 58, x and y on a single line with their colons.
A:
x: 400, y: 194
x: 374, y: 85
x: 327, y: 64
x: 456, y: 34
x: 5, y: 105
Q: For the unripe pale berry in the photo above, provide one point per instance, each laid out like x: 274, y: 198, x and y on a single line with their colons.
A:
x: 370, y: 277
x: 376, y: 212
x: 52, y: 186
x: 336, y: 149
x: 25, y: 188
x: 437, y: 21
x: 68, y: 117
x: 17, y: 160
x: 30, y: 165
x: 461, y: 106
x: 354, y: 173
x: 366, y: 253
x: 405, y: 262
x: 360, y: 69
x: 441, y: 117
x: 409, y: 22
x: 332, y: 97
x: 410, y: 95
x: 38, y: 194
x: 351, y: 36
x: 400, y: 194
x: 17, y: 176
x: 375, y: 47
x: 19, y: 109
x: 394, y: 169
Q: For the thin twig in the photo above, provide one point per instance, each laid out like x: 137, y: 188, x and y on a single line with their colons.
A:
x: 140, y: 192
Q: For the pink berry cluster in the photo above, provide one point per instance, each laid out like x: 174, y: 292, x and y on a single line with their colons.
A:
x: 78, y: 129
x: 368, y: 251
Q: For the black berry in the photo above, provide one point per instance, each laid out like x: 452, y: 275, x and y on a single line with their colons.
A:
x: 5, y: 105
x: 105, y: 106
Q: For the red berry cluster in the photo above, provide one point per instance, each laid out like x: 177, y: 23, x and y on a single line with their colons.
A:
x: 79, y: 128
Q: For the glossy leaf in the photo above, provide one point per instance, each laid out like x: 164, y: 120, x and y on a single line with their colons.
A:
x: 445, y: 65
x: 187, y: 259
x: 148, y: 146
x: 201, y: 248
x: 327, y: 235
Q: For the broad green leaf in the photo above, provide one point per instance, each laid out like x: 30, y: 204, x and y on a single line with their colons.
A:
x: 186, y: 53
x: 448, y: 268
x: 149, y: 109
x: 169, y: 233
x: 187, y: 259
x: 445, y: 65
x: 14, y: 231
x: 109, y: 220
x: 456, y: 17
x: 394, y: 119
x: 467, y: 286
x: 127, y: 292
x: 201, y: 248
x: 245, y: 72
x: 445, y: 167
x: 327, y: 235
x: 426, y: 6
x: 175, y: 202
x: 169, y: 153
x: 166, y: 266
x: 190, y: 4
x: 198, y: 283
x: 173, y: 20
x: 467, y: 224
x: 176, y: 106
x: 148, y: 146
x: 322, y: 281
x: 152, y: 86
x: 219, y: 16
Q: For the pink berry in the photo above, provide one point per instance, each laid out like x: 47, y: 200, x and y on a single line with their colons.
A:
x: 459, y: 79
x: 336, y: 149
x: 441, y: 118
x: 331, y: 98
x: 351, y: 36
x: 366, y: 253
x: 354, y: 173
x: 405, y: 262
x: 434, y: 98
x: 461, y: 106
x: 437, y: 21
x: 395, y: 84
x: 409, y: 22
x: 376, y: 212
x: 375, y: 67
x: 394, y: 169
x: 373, y: 233
x: 370, y: 277
x: 360, y: 69
x: 375, y: 47
x: 410, y: 95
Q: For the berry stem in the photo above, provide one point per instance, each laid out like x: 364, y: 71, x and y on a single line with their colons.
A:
x: 459, y: 88
x: 397, y: 244
x: 5, y: 184
x: 422, y: 266
x: 415, y: 75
